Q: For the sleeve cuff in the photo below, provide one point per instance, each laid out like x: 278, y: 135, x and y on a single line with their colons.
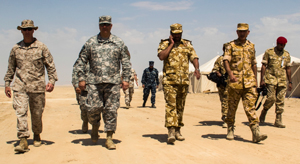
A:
x: 7, y: 83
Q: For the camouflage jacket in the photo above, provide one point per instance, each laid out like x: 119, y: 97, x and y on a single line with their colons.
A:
x: 276, y: 64
x: 105, y: 58
x: 219, y: 66
x: 150, y: 77
x: 176, y: 65
x: 75, y: 80
x: 241, y: 58
x: 131, y: 82
x: 28, y: 63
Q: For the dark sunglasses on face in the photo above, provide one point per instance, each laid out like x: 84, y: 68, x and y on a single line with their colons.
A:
x: 26, y: 29
x: 104, y: 24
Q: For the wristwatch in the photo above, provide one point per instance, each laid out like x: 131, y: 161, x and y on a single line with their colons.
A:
x: 197, y: 69
x: 290, y: 82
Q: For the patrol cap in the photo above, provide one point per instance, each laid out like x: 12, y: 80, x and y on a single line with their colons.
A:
x: 176, y: 28
x: 242, y: 26
x: 105, y: 19
x: 151, y: 63
x: 27, y: 23
x: 281, y: 40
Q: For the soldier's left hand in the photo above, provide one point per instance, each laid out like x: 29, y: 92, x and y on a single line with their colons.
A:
x: 49, y: 87
x: 197, y: 74
x: 125, y: 85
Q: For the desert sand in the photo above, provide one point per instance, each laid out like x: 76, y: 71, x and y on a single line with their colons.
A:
x: 141, y: 136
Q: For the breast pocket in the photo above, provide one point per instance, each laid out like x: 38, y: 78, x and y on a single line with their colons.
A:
x: 38, y: 63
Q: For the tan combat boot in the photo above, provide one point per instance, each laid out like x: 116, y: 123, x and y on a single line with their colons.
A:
x: 109, y: 142
x: 230, y: 132
x: 256, y: 136
x: 37, y: 140
x: 224, y: 125
x: 278, y: 121
x: 23, y: 146
x: 85, y: 126
x: 171, y: 135
x: 94, y: 134
x: 262, y: 116
x: 178, y: 135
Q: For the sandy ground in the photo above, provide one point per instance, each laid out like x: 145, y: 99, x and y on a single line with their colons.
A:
x: 141, y: 136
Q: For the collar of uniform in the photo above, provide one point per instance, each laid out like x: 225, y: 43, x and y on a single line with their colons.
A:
x: 237, y: 42
x: 100, y: 40
x: 32, y: 45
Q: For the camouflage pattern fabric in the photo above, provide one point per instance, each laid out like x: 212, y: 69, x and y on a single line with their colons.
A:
x: 131, y: 81
x: 103, y: 99
x: 36, y: 101
x: 175, y: 96
x: 128, y: 95
x: 83, y: 107
x: 176, y: 66
x: 105, y: 57
x: 28, y: 63
x: 248, y: 96
x: 241, y: 58
x: 276, y: 64
x: 223, y: 95
x: 150, y: 78
x: 276, y: 94
x: 146, y: 92
x: 219, y: 66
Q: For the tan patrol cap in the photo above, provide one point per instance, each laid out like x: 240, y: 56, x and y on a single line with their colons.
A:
x: 242, y: 26
x: 176, y: 28
x: 27, y: 23
x: 105, y: 19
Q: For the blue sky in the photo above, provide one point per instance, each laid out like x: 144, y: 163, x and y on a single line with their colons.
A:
x: 65, y: 25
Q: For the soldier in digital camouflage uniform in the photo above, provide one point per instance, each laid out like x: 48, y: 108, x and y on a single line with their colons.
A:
x: 222, y: 90
x: 275, y: 70
x: 176, y: 54
x: 104, y: 53
x: 82, y: 97
x: 150, y: 82
x: 240, y: 64
x: 27, y: 61
x: 129, y: 92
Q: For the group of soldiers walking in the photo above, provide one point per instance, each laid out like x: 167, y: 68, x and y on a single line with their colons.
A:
x: 97, y: 81
x: 239, y: 63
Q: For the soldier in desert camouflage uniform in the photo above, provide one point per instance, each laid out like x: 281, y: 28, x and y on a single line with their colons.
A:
x: 104, y: 53
x: 176, y: 54
x: 82, y: 97
x: 276, y: 68
x: 222, y: 90
x: 27, y: 61
x: 240, y: 64
x: 129, y: 92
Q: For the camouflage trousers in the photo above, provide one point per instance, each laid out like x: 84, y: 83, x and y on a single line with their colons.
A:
x: 248, y: 96
x: 276, y: 94
x: 223, y: 94
x: 103, y: 99
x: 83, y: 107
x: 175, y: 96
x: 77, y: 96
x: 128, y: 95
x: 147, y: 92
x: 36, y: 103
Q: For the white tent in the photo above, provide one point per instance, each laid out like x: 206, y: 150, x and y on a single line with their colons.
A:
x: 202, y: 85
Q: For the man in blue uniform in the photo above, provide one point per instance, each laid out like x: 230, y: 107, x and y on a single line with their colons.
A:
x: 150, y: 82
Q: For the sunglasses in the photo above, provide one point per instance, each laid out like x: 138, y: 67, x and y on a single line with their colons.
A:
x: 105, y: 24
x: 27, y: 29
